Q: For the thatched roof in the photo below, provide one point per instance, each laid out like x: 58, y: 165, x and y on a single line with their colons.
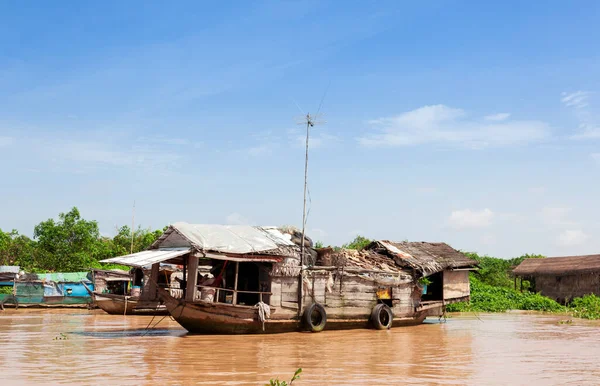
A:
x: 424, y: 257
x: 567, y: 265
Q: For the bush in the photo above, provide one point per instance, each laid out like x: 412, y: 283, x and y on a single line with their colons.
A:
x: 489, y: 298
x: 587, y: 307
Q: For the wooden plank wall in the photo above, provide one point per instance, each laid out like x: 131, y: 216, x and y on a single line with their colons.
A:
x: 456, y: 284
x: 350, y: 296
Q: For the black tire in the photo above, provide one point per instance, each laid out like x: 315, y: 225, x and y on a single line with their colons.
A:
x: 314, y: 318
x: 382, y: 317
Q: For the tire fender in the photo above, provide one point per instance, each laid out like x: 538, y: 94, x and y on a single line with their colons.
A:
x: 314, y: 317
x: 382, y: 317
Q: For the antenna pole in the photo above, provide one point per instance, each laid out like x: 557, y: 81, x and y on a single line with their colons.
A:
x: 309, y: 123
x: 132, y: 226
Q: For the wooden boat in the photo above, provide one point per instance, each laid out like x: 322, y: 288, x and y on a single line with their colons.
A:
x: 257, y: 284
x: 126, y: 305
x: 112, y: 294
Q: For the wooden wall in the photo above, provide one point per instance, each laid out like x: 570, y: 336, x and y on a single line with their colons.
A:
x: 565, y: 288
x: 456, y: 284
x: 343, y: 296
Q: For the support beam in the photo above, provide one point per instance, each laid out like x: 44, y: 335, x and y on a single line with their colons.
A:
x: 149, y: 292
x: 192, y: 278
x: 235, y: 283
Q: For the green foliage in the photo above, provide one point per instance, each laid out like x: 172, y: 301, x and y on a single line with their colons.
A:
x: 424, y: 281
x: 319, y: 244
x: 489, y: 298
x: 497, y: 272
x: 358, y: 243
x: 6, y: 290
x: 587, y: 307
x: 69, y: 244
x: 16, y: 248
x: 277, y: 382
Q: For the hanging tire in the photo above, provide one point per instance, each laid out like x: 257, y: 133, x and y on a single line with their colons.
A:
x: 382, y: 317
x: 314, y: 318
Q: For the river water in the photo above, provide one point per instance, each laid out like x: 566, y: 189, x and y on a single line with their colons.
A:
x: 90, y: 347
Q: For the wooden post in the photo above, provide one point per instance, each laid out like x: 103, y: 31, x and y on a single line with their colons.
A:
x: 515, y: 283
x: 152, y: 285
x: 192, y: 278
x: 235, y: 283
x: 183, y: 284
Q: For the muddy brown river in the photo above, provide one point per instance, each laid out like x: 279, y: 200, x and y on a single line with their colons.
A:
x: 89, y: 347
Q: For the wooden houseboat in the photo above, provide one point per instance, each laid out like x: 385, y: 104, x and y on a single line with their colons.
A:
x: 257, y: 283
x: 121, y: 293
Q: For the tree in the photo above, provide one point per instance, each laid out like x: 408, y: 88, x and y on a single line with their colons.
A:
x: 16, y: 249
x: 69, y: 244
x: 358, y: 243
x: 142, y: 239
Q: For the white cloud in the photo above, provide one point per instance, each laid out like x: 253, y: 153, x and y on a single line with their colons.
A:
x: 579, y: 102
x: 577, y: 99
x: 237, y: 219
x: 443, y: 124
x: 497, y: 117
x: 573, y: 237
x: 470, y: 219
x: 556, y: 216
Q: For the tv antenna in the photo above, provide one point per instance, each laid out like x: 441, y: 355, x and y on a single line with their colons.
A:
x: 309, y: 121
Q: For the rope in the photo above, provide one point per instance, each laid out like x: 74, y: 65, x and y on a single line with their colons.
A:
x: 264, y: 313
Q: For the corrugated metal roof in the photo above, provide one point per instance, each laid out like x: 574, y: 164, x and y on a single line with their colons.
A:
x: 146, y: 258
x: 235, y: 239
x: 9, y: 269
x: 64, y: 277
x: 558, y: 265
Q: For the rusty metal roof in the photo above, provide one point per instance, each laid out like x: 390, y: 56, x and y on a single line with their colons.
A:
x: 565, y: 265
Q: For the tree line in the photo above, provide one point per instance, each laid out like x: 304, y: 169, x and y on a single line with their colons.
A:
x: 70, y: 243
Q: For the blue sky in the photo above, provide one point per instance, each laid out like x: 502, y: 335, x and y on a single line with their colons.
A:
x: 473, y: 123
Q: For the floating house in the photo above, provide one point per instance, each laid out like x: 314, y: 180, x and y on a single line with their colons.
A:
x: 44, y: 290
x: 265, y: 279
x: 561, y: 278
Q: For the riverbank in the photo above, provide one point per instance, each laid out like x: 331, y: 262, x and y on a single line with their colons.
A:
x: 492, y: 290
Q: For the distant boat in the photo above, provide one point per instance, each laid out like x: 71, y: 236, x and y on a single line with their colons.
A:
x: 44, y: 289
x: 120, y: 293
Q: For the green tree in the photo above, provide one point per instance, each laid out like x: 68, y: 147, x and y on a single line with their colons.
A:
x: 69, y: 244
x: 16, y: 249
x: 142, y: 239
x: 358, y: 243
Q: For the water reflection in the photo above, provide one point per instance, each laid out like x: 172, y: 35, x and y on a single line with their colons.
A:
x: 89, y: 347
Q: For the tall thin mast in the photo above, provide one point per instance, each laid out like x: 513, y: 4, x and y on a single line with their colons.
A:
x: 132, y: 226
x: 309, y: 123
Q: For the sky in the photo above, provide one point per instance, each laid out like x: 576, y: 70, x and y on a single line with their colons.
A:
x: 466, y: 122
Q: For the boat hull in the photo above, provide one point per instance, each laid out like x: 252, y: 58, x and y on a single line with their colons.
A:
x: 218, y: 318
x: 126, y: 305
